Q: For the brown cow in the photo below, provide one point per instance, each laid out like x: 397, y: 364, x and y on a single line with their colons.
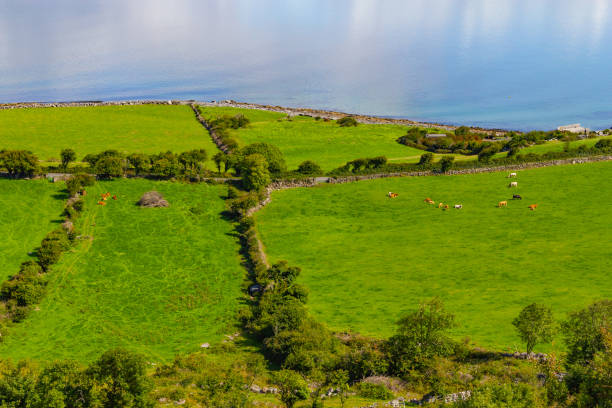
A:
x: 502, y: 204
x: 429, y: 201
x: 101, y: 202
x: 114, y: 197
x: 441, y: 205
x: 533, y: 207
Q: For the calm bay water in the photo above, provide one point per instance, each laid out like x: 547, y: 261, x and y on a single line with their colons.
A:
x: 519, y: 64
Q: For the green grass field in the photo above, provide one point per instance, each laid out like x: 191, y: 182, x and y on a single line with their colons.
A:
x: 138, y: 128
x: 159, y: 281
x: 328, y: 144
x: 557, y: 146
x: 28, y: 210
x: 367, y: 259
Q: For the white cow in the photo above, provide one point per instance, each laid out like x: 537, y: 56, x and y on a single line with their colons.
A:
x: 458, y: 206
x: 512, y: 175
x: 513, y: 184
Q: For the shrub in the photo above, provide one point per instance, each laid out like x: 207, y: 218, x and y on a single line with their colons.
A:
x: 140, y: 162
x: 603, y: 144
x: 426, y: 159
x: 165, y: 167
x: 374, y: 391
x: 109, y: 167
x: 254, y: 171
x: 220, y: 158
x: 584, y: 331
x: 232, y: 192
x: 376, y: 162
x: 309, y: 167
x: 19, y: 162
x: 508, y: 395
x: 273, y: 156
x: 51, y: 248
x: 76, y: 183
x: 347, y: 121
x: 446, y: 163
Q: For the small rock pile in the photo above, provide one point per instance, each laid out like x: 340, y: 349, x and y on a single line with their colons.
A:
x: 152, y: 199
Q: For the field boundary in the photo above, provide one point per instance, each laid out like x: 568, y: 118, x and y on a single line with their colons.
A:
x: 215, y: 138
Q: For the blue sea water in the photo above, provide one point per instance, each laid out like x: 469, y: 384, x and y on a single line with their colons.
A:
x: 517, y: 64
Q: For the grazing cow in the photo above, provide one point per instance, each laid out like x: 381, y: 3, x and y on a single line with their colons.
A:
x: 114, y: 197
x: 83, y: 193
x: 446, y: 207
x: 458, y: 206
x: 429, y: 201
x: 512, y: 175
x: 101, y: 202
x: 502, y: 204
x: 513, y: 184
x: 532, y: 207
x: 440, y: 205
x: 516, y: 197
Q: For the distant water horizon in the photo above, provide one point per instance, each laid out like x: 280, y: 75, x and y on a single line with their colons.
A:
x: 508, y: 64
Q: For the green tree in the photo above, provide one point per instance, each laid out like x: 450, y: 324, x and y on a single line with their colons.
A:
x: 109, y: 167
x: 583, y: 331
x: 62, y: 384
x: 165, y: 167
x: 446, y: 162
x: 19, y: 163
x: 68, y: 156
x: 535, y: 324
x: 254, y: 171
x: 309, y: 167
x: 192, y: 158
x: 272, y: 154
x: 426, y: 158
x: 292, y: 387
x: 339, y: 380
x: 595, y: 389
x: 220, y: 158
x: 121, y: 379
x: 421, y: 335
x: 141, y: 162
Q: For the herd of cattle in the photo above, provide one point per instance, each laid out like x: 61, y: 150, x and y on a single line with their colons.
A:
x: 500, y: 204
x: 105, y: 197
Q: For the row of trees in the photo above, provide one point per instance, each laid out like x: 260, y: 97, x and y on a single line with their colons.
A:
x: 117, y: 379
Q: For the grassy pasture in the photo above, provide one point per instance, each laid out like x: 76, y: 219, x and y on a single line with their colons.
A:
x: 28, y: 210
x: 137, y: 128
x: 328, y: 144
x: 367, y: 258
x: 159, y: 281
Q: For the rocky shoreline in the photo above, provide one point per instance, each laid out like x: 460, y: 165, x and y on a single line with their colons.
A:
x: 327, y: 114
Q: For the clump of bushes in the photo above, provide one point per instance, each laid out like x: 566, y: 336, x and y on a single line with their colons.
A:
x: 309, y: 167
x: 78, y: 182
x: 19, y: 163
x: 374, y: 391
x: 347, y: 121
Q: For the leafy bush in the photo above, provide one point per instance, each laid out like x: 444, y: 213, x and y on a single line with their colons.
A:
x: 426, y: 158
x: 446, y: 163
x: 310, y: 168
x: 347, y: 121
x: 141, y: 162
x: 19, y: 162
x: 51, y: 248
x: 374, y: 391
x: 272, y: 154
x: 109, y: 167
x: 76, y: 183
x: 254, y: 171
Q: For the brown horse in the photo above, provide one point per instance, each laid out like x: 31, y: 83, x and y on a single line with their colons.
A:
x: 502, y: 204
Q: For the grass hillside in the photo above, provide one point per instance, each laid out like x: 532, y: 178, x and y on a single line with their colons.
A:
x: 138, y: 128
x: 159, y: 281
x: 367, y: 259
x: 557, y: 146
x: 328, y: 144
x: 28, y: 210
